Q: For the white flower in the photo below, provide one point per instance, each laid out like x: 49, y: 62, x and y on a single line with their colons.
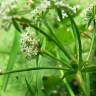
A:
x: 40, y: 8
x: 6, y: 6
x: 29, y: 44
x: 62, y: 4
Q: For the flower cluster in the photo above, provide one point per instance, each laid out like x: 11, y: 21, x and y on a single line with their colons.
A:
x: 74, y: 9
x: 29, y: 45
x: 61, y: 3
x: 6, y: 6
x: 41, y: 8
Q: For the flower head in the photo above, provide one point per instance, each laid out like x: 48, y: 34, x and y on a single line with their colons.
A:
x: 71, y: 9
x: 45, y: 4
x: 6, y: 6
x: 29, y: 44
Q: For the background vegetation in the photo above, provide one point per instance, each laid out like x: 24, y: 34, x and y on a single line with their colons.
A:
x: 65, y: 62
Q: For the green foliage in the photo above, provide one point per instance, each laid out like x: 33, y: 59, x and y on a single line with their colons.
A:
x: 65, y: 58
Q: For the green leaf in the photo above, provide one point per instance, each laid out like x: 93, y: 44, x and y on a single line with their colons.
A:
x: 68, y: 87
x: 52, y: 32
x: 76, y: 31
x: 87, y: 82
x: 31, y: 90
x: 12, y: 59
x: 90, y: 68
x: 64, y: 35
x: 58, y: 60
x: 16, y: 25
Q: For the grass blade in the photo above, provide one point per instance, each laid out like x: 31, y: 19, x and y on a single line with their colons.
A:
x: 53, y: 57
x: 79, y: 40
x: 32, y: 93
x: 16, y: 25
x: 68, y: 12
x: 12, y: 59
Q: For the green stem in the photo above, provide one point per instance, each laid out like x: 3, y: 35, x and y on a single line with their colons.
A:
x: 53, y: 57
x: 64, y: 80
x: 92, y: 42
x: 45, y: 34
x: 36, y: 68
x: 89, y: 54
x: 68, y: 87
x: 77, y: 33
x: 56, y: 39
x: 79, y: 40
